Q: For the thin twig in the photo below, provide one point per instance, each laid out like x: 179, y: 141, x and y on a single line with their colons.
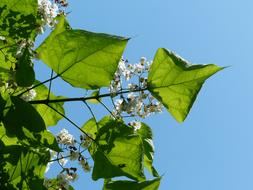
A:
x: 70, y: 121
x: 50, y: 84
x: 93, y: 115
x: 37, y: 85
x: 102, y: 103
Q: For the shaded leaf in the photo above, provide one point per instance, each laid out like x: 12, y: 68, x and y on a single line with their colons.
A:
x: 22, y: 167
x: 22, y: 121
x: 132, y: 185
x: 83, y: 59
x: 176, y: 83
x: 25, y: 75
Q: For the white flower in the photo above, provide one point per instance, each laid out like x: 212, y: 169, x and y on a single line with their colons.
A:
x: 2, y: 38
x: 48, y: 11
x: 132, y: 86
x: 131, y: 96
x: 71, y: 176
x: 135, y: 124
x: 30, y: 95
x: 65, y: 138
x: 143, y: 60
x: 119, y: 105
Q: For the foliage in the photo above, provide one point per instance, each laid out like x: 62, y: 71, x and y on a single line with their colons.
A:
x: 90, y: 61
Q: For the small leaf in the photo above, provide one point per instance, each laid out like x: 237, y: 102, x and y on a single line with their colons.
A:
x: 132, y: 185
x: 146, y: 135
x: 176, y: 83
x: 83, y: 59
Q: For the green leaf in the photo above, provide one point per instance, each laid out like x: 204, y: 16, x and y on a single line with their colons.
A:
x: 22, y: 167
x: 117, y: 151
x: 18, y: 19
x: 83, y: 59
x: 132, y: 185
x: 25, y: 75
x: 90, y: 128
x: 49, y: 116
x: 22, y: 121
x: 176, y: 83
x: 146, y: 135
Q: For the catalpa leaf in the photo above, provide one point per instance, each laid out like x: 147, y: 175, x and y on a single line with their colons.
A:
x: 18, y: 19
x: 49, y: 116
x: 133, y: 185
x: 23, y: 122
x: 83, y: 59
x: 22, y: 167
x: 176, y: 83
x: 146, y: 135
x: 117, y: 151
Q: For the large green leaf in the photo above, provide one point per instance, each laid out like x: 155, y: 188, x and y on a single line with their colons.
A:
x: 176, y: 83
x: 132, y: 185
x: 83, y: 59
x: 146, y: 135
x: 22, y: 167
x: 117, y: 151
x: 49, y: 116
x: 22, y: 121
x: 18, y: 19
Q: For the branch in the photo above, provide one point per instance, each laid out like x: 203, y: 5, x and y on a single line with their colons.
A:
x: 83, y: 98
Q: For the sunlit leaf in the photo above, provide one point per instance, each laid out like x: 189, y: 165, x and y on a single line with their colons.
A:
x: 147, y: 139
x: 117, y: 151
x: 132, y: 185
x: 90, y: 127
x: 18, y: 19
x: 176, y: 83
x: 49, y: 116
x: 83, y: 59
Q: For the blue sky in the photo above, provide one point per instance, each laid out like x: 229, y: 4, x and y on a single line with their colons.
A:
x: 212, y: 149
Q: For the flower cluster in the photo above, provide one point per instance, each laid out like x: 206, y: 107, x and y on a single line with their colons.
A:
x: 72, y: 151
x: 30, y: 95
x: 61, y: 182
x: 49, y: 10
x: 65, y: 138
x: 137, y: 102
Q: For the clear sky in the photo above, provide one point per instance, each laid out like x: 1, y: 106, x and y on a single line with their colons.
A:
x: 213, y: 148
